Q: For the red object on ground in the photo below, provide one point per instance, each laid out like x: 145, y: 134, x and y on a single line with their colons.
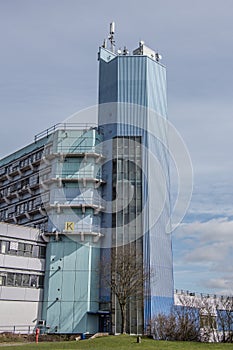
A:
x: 37, y: 335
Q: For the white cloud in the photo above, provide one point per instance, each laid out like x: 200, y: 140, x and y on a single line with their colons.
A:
x: 220, y: 230
x: 207, y: 247
x: 222, y: 285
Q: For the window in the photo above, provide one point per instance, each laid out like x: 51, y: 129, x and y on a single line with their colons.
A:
x: 21, y: 280
x: 18, y: 279
x: 25, y: 280
x: 40, y: 281
x: 11, y: 211
x: 16, y: 248
x: 30, y: 205
x: 24, y: 162
x: 2, y: 280
x: 42, y: 252
x: 34, y: 179
x: 13, y: 167
x: 33, y: 281
x: 3, y: 247
x: 22, y: 249
x: 2, y: 171
x: 24, y: 183
x: 35, y: 251
x: 36, y: 156
x: 5, y: 214
x: 10, y: 279
x: 21, y: 208
x: 13, y: 249
x: 37, y: 202
x: 47, y: 150
x: 28, y: 249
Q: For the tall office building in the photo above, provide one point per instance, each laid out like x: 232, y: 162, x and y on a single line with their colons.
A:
x: 132, y: 117
x: 93, y: 189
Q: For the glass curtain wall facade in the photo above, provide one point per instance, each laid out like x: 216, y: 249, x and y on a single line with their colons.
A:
x: 132, y: 103
x: 127, y: 183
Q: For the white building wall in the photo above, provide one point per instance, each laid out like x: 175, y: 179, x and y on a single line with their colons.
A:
x: 20, y: 306
x: 19, y: 316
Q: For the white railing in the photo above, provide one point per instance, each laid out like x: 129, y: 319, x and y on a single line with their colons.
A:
x: 22, y: 329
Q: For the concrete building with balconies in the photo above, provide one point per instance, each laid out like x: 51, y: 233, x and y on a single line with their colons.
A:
x: 54, y: 184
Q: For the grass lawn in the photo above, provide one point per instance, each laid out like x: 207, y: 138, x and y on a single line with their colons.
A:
x: 120, y: 343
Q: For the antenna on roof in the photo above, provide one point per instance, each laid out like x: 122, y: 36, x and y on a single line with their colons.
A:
x: 111, y: 36
x: 104, y: 44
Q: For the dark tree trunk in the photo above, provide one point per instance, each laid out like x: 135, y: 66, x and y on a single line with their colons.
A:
x: 123, y: 318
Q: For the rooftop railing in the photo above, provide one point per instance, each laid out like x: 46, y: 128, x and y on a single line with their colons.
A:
x: 200, y: 295
x: 64, y: 126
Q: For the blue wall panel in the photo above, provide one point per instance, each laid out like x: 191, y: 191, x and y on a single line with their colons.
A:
x: 73, y: 287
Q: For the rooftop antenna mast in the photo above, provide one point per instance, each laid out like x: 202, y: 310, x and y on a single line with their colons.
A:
x: 111, y: 36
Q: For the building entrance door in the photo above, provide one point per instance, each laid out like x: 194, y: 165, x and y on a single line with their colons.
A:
x: 104, y: 324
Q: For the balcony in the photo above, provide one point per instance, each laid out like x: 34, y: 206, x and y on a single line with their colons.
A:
x: 84, y: 231
x: 85, y: 235
x: 77, y: 203
x: 79, y: 177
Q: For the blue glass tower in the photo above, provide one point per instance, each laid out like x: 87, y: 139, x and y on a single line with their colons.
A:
x: 132, y: 116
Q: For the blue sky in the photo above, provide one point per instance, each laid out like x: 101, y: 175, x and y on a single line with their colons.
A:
x: 49, y: 71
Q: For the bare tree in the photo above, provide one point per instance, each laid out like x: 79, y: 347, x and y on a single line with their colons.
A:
x: 216, y: 318
x: 182, y: 323
x: 198, y: 317
x: 125, y: 276
x: 163, y: 327
x: 218, y: 312
x: 224, y: 310
x: 208, y: 319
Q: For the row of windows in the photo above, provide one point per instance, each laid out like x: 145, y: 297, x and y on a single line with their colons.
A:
x: 28, y: 206
x: 32, y: 158
x: 20, y: 185
x: 128, y: 196
x: 21, y: 280
x: 24, y: 207
x: 22, y: 249
x: 26, y: 161
x: 130, y: 145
